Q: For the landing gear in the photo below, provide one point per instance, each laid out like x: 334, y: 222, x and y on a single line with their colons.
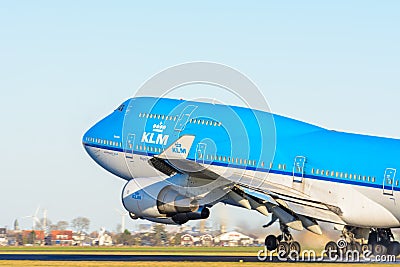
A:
x: 381, y: 241
x: 351, y: 239
x: 377, y: 241
x: 284, y: 243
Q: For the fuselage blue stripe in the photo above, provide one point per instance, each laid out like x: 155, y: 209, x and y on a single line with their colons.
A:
x: 252, y: 168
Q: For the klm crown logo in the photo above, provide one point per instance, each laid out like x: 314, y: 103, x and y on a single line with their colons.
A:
x: 156, y: 137
x: 159, y: 128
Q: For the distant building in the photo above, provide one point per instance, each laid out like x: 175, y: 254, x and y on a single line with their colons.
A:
x: 187, y: 240
x: 81, y: 239
x: 194, y: 239
x: 38, y: 236
x: 233, y: 239
x: 3, y: 237
x: 103, y: 239
x: 61, y: 238
x: 16, y: 225
x: 206, y: 240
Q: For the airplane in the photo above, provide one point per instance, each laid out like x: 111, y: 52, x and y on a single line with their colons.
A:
x: 182, y: 157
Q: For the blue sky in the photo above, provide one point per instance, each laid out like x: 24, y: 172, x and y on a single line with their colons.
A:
x: 66, y: 64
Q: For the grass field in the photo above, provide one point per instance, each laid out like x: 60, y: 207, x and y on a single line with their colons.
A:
x: 233, y: 251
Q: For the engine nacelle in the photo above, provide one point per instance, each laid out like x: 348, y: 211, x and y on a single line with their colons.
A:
x: 201, y: 213
x: 156, y: 200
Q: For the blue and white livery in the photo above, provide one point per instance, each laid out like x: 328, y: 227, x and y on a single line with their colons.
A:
x: 182, y: 157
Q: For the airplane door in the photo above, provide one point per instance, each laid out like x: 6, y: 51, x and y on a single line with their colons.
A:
x: 298, y: 169
x: 200, y: 152
x: 388, y: 181
x: 130, y: 142
x: 184, y: 117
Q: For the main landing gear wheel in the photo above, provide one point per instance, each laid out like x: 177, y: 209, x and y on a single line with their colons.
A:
x: 331, y: 249
x: 295, y: 246
x: 271, y: 242
x: 394, y: 248
x: 366, y: 247
x: 379, y: 249
x: 283, y: 249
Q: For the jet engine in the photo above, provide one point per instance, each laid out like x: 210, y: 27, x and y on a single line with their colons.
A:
x: 156, y: 200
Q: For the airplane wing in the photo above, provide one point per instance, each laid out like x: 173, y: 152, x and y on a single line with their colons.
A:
x: 292, y: 208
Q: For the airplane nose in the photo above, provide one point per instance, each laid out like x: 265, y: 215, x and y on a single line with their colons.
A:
x: 91, y: 142
x: 103, y: 143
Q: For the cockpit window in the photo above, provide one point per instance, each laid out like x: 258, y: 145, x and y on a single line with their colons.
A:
x: 121, y: 107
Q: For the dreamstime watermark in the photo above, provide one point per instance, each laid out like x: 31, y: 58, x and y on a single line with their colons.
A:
x: 341, y: 254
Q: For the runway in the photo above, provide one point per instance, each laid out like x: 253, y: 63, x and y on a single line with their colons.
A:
x: 136, y: 258
x: 126, y: 258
